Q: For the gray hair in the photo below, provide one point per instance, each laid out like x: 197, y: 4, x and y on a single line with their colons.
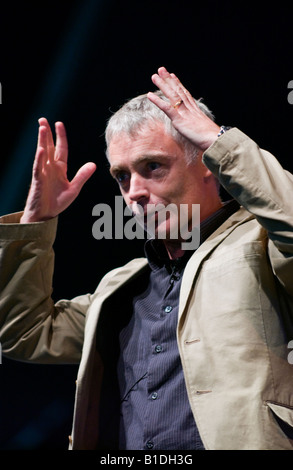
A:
x: 140, y: 112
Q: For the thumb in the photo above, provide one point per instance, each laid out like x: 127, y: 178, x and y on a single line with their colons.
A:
x: 83, y: 174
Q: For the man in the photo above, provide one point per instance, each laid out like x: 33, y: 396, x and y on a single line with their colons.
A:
x: 184, y: 349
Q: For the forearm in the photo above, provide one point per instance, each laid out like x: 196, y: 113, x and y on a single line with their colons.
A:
x: 31, y: 326
x: 259, y: 183
x: 256, y: 179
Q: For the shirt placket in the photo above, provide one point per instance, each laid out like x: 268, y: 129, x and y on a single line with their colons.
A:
x: 162, y: 336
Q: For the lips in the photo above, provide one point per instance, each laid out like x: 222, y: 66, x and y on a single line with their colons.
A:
x: 149, y: 212
x: 158, y: 220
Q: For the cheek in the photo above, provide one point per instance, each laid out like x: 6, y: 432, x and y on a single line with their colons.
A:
x: 127, y: 200
x: 170, y: 189
x: 179, y: 193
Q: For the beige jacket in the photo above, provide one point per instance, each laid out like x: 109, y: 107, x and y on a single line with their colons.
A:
x: 235, y: 315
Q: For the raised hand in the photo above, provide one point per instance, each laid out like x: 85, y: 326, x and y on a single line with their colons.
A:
x: 183, y: 111
x: 51, y: 192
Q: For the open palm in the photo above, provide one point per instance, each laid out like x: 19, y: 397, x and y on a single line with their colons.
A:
x: 51, y: 192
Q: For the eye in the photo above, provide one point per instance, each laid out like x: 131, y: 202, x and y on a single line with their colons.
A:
x: 154, y: 166
x: 122, y: 177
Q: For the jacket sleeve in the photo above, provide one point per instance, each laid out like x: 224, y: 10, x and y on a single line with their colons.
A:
x: 259, y: 183
x: 32, y: 327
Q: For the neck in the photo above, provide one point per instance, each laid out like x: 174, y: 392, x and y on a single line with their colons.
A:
x: 174, y: 247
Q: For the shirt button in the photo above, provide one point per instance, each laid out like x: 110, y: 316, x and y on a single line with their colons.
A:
x: 150, y: 444
x: 158, y: 348
x: 168, y: 309
x: 154, y: 395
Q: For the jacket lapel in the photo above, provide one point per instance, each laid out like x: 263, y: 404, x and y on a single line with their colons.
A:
x: 194, y: 264
x: 115, y: 281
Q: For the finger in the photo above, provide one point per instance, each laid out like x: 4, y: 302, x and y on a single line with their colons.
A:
x: 42, y: 135
x: 83, y: 174
x: 43, y: 122
x: 167, y: 86
x: 172, y: 88
x: 163, y: 105
x: 50, y: 141
x: 181, y: 88
x: 41, y: 156
x: 61, y: 151
x: 171, y: 81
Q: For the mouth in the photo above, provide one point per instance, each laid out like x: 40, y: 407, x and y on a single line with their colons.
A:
x: 157, y: 219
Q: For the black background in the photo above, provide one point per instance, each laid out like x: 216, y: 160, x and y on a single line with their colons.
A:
x: 78, y: 61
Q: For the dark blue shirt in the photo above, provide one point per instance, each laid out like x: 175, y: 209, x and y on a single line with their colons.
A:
x: 155, y: 412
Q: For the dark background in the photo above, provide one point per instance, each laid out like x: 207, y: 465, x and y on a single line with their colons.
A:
x: 78, y: 61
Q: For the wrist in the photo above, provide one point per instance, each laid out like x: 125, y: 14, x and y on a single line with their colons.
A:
x: 217, y: 132
x: 222, y: 130
x: 29, y: 218
x: 210, y: 137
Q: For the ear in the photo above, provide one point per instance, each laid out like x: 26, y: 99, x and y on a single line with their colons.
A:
x: 206, y: 173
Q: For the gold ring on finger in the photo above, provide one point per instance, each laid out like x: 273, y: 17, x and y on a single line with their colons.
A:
x: 177, y: 104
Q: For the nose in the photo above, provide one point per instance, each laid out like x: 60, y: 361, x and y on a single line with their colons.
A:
x: 138, y: 189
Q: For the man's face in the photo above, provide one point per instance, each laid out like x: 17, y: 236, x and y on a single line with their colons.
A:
x: 151, y: 169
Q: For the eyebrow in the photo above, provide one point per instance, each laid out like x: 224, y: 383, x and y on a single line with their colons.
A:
x: 115, y: 169
x: 142, y: 159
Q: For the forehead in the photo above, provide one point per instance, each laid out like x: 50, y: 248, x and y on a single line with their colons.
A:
x: 154, y: 141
